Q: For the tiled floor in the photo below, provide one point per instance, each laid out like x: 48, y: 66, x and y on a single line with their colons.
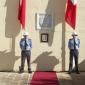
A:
x: 10, y: 78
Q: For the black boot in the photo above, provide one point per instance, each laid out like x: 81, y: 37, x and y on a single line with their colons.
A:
x: 77, y: 70
x: 70, y: 70
x: 21, y: 70
x: 29, y: 71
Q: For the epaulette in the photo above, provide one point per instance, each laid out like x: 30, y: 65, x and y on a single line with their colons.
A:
x: 29, y: 39
x: 70, y: 39
x: 22, y: 38
x: 78, y: 39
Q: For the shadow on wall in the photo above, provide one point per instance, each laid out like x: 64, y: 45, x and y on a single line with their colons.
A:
x: 12, y: 26
x: 12, y: 29
x: 7, y: 60
x: 82, y: 66
x: 57, y: 8
x: 45, y: 62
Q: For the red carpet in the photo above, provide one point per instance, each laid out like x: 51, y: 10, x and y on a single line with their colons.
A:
x: 44, y: 78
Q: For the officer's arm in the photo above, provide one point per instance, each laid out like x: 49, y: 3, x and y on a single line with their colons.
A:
x: 69, y: 44
x: 30, y: 43
x: 20, y: 43
x: 79, y: 42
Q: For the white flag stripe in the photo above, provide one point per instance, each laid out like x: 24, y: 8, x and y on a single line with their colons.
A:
x: 20, y: 2
x: 74, y: 2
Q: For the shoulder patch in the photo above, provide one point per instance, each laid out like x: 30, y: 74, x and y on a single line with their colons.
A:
x: 22, y: 38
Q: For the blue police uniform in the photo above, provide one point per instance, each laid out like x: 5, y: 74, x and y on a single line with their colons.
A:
x: 26, y: 46
x: 73, y: 46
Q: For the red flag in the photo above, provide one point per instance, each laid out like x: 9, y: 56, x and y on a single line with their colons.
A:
x: 22, y: 12
x: 70, y: 16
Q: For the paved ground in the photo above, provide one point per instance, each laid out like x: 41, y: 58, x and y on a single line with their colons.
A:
x: 73, y: 79
x: 10, y: 78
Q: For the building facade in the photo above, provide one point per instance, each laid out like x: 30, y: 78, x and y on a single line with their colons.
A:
x: 46, y: 56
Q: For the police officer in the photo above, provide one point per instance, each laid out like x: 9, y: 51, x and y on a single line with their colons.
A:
x: 26, y: 46
x: 74, y: 44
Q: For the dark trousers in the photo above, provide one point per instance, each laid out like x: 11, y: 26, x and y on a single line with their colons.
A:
x: 25, y: 55
x: 73, y: 54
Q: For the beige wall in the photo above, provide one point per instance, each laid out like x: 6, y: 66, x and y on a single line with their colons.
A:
x: 53, y: 55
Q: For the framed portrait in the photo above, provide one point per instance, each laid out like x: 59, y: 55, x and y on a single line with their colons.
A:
x: 44, y: 21
x: 44, y: 37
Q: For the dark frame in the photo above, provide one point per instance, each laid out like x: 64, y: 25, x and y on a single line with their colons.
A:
x: 44, y: 37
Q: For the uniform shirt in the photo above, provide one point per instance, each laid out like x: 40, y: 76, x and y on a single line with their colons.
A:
x: 71, y: 44
x: 28, y: 44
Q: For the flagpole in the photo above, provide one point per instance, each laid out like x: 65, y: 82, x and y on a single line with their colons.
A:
x: 22, y: 31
